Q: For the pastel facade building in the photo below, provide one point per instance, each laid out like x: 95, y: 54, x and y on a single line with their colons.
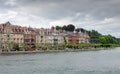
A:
x: 41, y: 37
x: 48, y: 36
x: 10, y: 34
x: 55, y: 39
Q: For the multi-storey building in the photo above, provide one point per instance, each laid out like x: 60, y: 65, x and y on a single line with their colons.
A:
x: 55, y: 39
x: 29, y: 37
x: 10, y: 34
x: 48, y: 36
x: 73, y: 39
x: 41, y: 37
x: 84, y: 37
x: 76, y: 38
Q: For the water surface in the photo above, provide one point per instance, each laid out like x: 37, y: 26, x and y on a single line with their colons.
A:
x: 83, y: 62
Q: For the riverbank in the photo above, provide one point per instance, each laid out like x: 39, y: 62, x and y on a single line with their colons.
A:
x: 60, y: 48
x: 45, y: 51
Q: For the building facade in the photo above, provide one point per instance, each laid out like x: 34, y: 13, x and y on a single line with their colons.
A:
x: 41, y: 38
x: 10, y: 34
x: 55, y: 39
x: 29, y: 38
x: 48, y: 36
x: 76, y: 38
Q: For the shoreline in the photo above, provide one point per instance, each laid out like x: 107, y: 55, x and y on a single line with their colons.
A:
x: 49, y: 51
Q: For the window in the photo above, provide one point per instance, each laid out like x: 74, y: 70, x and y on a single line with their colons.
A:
x: 41, y: 36
x: 8, y: 36
x: 70, y: 40
x: 77, y: 40
x: 55, y: 39
x: 32, y: 40
x: 26, y: 40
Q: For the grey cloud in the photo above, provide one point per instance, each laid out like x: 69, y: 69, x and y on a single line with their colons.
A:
x: 57, y: 9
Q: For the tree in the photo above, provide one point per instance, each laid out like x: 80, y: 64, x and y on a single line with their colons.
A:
x: 64, y: 28
x: 70, y: 27
x: 94, y: 36
x: 16, y: 46
x: 9, y: 45
x: 24, y: 47
x: 79, y: 29
x: 58, y: 27
x: 108, y: 39
x: 103, y: 39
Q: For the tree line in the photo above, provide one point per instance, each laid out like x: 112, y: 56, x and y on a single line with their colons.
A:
x: 96, y: 37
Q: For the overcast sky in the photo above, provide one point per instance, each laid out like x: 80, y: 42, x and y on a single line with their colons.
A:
x: 101, y: 15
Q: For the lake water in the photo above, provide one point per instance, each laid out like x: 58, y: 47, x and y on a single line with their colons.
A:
x: 83, y: 62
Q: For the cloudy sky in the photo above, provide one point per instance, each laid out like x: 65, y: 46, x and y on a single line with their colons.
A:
x: 101, y: 15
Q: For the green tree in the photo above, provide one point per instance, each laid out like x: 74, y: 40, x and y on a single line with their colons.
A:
x: 24, y: 47
x: 9, y: 45
x: 58, y: 28
x: 108, y: 39
x: 94, y: 36
x: 103, y: 39
x: 16, y: 46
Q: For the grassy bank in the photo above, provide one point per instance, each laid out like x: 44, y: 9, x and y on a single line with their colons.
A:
x: 89, y: 45
x: 66, y: 48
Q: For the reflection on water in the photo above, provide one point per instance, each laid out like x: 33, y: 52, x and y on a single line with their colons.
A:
x: 84, y: 62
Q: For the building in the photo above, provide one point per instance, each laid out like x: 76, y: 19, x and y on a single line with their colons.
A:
x: 55, y: 39
x: 84, y: 37
x: 76, y: 38
x: 48, y: 36
x: 29, y: 38
x: 11, y: 34
x: 41, y: 37
x: 73, y: 39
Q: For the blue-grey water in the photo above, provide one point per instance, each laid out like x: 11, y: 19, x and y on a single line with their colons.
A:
x: 83, y: 62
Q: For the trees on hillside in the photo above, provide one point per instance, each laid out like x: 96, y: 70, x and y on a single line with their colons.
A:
x: 58, y: 27
x: 108, y: 39
x: 80, y: 30
x: 69, y: 27
x: 94, y: 36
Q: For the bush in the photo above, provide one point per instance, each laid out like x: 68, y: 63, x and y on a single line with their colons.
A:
x: 69, y: 46
x: 44, y: 48
x: 16, y: 47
